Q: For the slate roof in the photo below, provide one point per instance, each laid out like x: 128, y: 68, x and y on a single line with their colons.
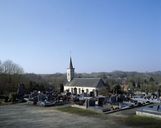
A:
x: 85, y: 82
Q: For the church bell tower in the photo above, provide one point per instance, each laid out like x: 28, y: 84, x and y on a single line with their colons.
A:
x: 70, y: 71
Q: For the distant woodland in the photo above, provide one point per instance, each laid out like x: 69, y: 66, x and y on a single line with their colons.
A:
x: 12, y: 74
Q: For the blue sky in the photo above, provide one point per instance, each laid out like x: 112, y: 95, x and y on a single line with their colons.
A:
x: 102, y: 35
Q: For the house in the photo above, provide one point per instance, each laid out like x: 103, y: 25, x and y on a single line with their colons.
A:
x: 90, y: 86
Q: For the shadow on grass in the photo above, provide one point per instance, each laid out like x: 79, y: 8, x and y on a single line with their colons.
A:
x: 141, y: 122
x: 79, y: 111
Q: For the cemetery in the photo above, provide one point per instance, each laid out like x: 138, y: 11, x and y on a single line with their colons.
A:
x: 99, y: 103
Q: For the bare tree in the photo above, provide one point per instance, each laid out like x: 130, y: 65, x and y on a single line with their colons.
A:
x: 8, y: 67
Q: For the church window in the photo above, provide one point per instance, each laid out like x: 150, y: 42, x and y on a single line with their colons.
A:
x: 71, y: 90
x: 87, y: 91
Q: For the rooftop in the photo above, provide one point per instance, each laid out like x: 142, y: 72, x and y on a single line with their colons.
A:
x: 85, y: 82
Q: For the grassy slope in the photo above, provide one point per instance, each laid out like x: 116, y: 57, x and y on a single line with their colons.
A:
x: 132, y: 121
x: 79, y: 111
x: 142, y: 122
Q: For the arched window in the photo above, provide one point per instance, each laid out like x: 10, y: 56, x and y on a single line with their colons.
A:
x: 87, y: 91
x: 75, y: 91
x: 71, y: 90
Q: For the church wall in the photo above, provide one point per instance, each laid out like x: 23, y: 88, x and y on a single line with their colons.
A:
x: 79, y: 89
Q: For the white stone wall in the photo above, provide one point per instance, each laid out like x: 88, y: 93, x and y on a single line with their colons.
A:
x: 148, y: 114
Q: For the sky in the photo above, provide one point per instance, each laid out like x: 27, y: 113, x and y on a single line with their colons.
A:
x: 99, y: 35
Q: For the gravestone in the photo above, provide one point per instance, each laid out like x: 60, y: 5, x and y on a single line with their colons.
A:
x: 20, y: 91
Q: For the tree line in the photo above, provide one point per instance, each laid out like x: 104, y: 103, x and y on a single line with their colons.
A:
x: 12, y: 74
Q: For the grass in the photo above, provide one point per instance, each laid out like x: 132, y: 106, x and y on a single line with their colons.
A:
x: 79, y: 111
x: 132, y: 121
x: 141, y: 121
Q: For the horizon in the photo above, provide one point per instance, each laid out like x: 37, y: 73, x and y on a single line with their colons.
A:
x: 93, y: 72
x: 100, y: 36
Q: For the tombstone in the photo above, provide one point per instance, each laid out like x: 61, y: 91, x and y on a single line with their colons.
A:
x: 41, y: 96
x: 158, y: 107
x: 61, y: 88
x: 91, y: 94
x: 101, y: 101
x: 87, y: 103
x: 35, y: 97
x: 91, y: 102
x: 20, y: 91
x: 113, y: 99
x: 158, y: 93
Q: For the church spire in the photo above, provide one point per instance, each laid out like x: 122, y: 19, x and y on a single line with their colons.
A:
x: 70, y: 71
x: 70, y: 64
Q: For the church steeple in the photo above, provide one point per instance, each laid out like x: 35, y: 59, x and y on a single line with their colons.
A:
x: 70, y: 71
x: 70, y: 65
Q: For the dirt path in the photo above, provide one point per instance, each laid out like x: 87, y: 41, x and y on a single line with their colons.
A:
x: 28, y: 116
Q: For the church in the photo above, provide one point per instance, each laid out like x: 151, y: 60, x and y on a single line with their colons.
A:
x: 89, y: 86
